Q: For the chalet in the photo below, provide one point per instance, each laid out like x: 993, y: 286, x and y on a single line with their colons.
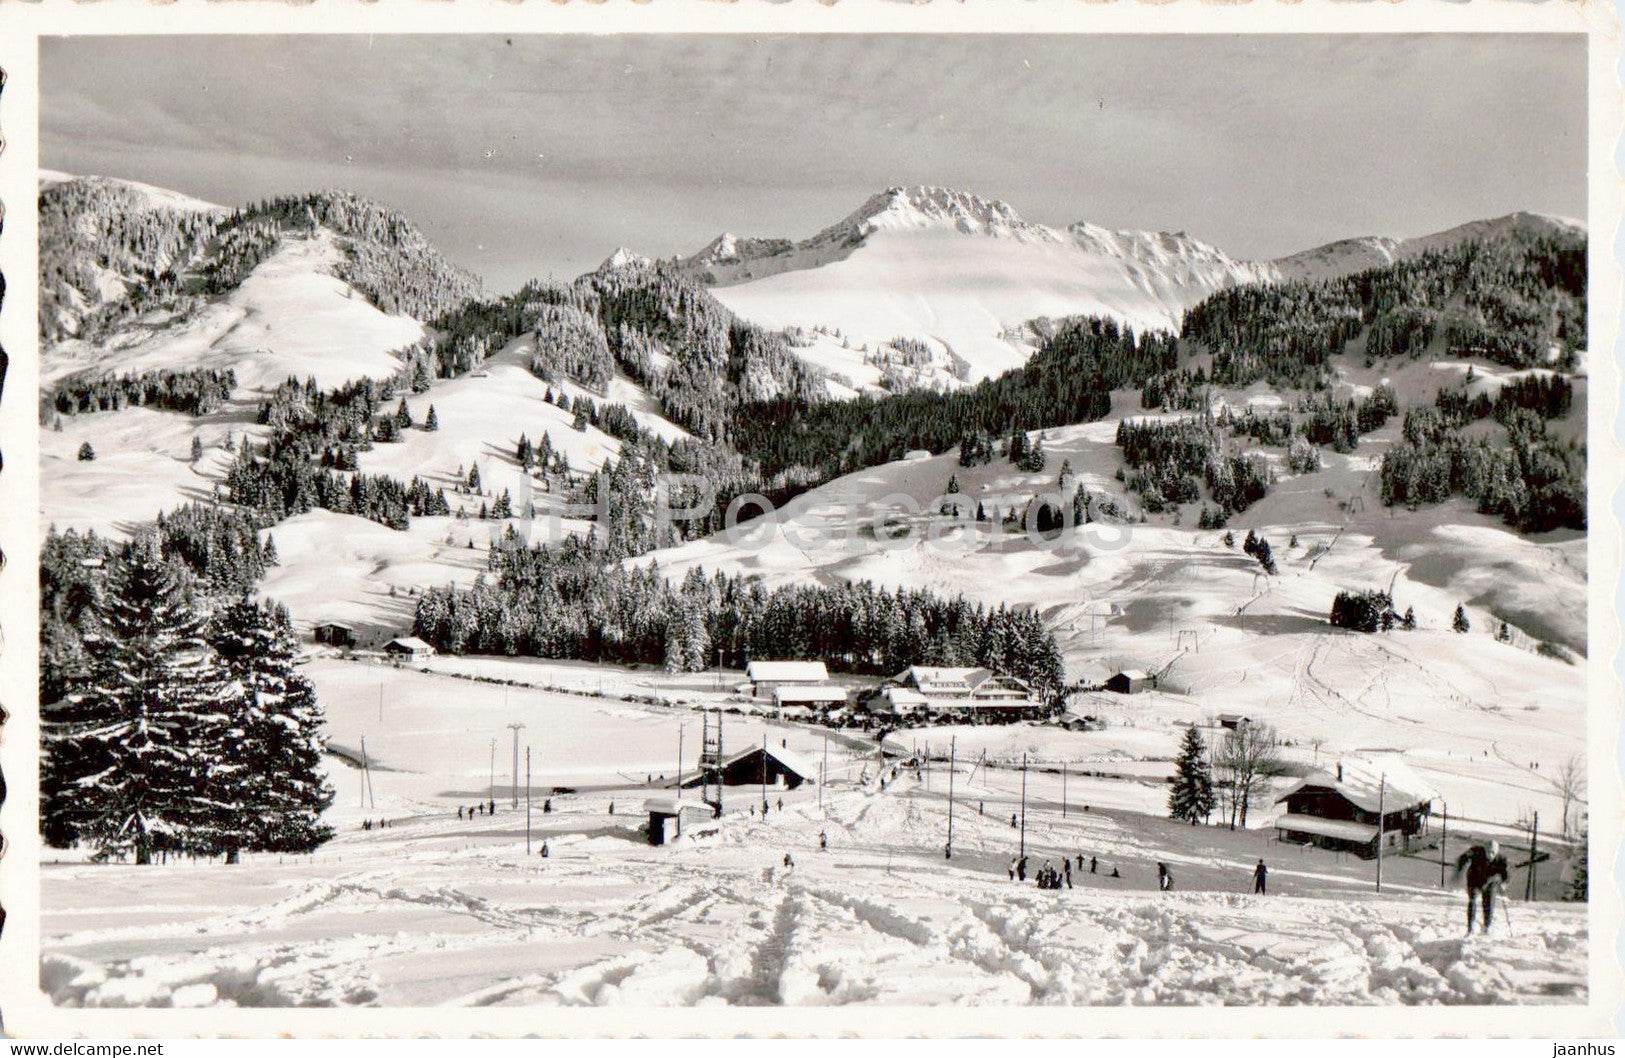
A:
x: 953, y: 692
x: 668, y: 816
x: 770, y: 766
x: 1338, y: 809
x: 408, y: 648
x: 892, y: 701
x: 1233, y: 721
x: 334, y: 633
x: 765, y: 677
x: 1131, y: 681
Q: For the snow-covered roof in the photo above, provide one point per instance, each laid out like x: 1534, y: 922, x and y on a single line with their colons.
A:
x: 1344, y: 829
x: 809, y: 694
x: 792, y: 761
x: 798, y: 671
x: 672, y: 806
x: 961, y: 676
x: 337, y: 624
x: 1134, y: 674
x: 412, y: 643
x: 1361, y: 780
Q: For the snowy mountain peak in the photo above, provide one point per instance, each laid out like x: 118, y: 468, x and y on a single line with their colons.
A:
x: 928, y: 207
x: 624, y: 258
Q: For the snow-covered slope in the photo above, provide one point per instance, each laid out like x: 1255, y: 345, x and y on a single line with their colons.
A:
x: 291, y: 317
x: 966, y: 273
x: 960, y: 271
x: 153, y: 197
x: 1347, y: 256
x: 437, y: 909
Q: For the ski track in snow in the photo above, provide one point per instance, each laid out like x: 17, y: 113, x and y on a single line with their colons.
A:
x: 874, y: 920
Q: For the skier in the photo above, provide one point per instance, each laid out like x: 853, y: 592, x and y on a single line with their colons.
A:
x: 1093, y: 864
x: 781, y: 804
x: 1021, y: 869
x: 459, y: 811
x: 490, y: 808
x: 1165, y: 881
x: 1486, y: 870
x: 1080, y: 861
x: 1012, y: 821
x: 823, y: 841
x: 1261, y: 875
x: 612, y: 808
x: 547, y: 806
x: 545, y: 852
x: 1114, y: 873
x: 788, y: 862
x: 1068, y: 872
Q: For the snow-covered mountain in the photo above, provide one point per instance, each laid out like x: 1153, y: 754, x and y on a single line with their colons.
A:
x: 136, y: 278
x: 965, y: 274
x: 1347, y: 256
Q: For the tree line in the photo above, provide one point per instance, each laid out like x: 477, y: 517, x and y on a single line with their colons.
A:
x: 567, y: 600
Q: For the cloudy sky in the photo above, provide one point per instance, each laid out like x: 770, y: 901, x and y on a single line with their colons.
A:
x: 529, y: 156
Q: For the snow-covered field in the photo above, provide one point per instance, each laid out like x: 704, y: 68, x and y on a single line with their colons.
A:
x: 436, y: 909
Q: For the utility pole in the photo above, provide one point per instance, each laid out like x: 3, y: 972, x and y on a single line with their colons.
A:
x: 1444, y: 838
x: 516, y: 728
x: 679, y: 761
x: 1023, y: 804
x: 366, y: 774
x: 764, y: 776
x: 527, y: 800
x: 1382, y: 789
x: 948, y: 850
x: 1534, y: 841
x: 491, y: 780
x: 1063, y: 789
x: 823, y: 773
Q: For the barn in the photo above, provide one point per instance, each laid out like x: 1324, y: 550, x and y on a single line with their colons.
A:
x: 1131, y: 681
x: 334, y: 633
x: 765, y: 677
x: 813, y: 698
x: 1338, y: 808
x: 772, y: 766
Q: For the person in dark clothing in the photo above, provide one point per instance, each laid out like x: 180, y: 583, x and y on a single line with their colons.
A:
x: 1261, y: 875
x: 490, y: 808
x: 1486, y: 871
x: 1115, y: 874
x: 1012, y: 821
x: 1080, y: 861
x: 1021, y: 869
x: 1068, y: 871
x: 1165, y: 880
x: 612, y: 808
x: 545, y: 852
x: 547, y: 806
x: 1093, y: 864
x: 823, y: 841
x: 459, y: 811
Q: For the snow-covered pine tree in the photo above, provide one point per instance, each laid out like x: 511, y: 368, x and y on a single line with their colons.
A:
x: 431, y: 422
x: 1191, y: 799
x: 1460, y: 622
x: 137, y: 745
x: 276, y: 804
